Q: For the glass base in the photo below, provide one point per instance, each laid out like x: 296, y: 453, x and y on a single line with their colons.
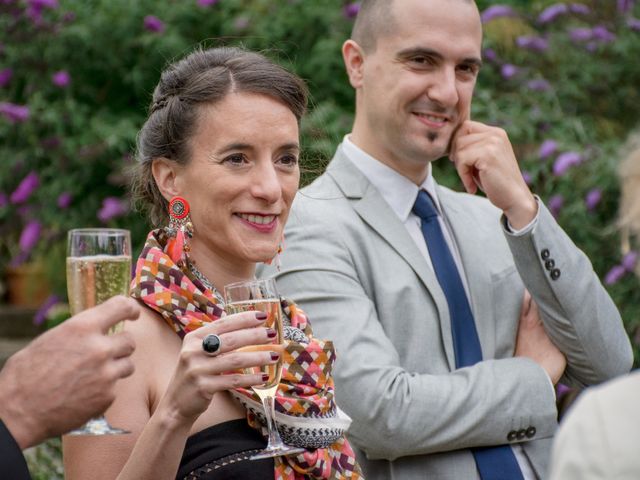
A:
x: 97, y: 426
x: 276, y: 452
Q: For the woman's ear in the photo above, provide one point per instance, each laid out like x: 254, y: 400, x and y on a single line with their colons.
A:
x: 165, y: 173
x: 353, y: 57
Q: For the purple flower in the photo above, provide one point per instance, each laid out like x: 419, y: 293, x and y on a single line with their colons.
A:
x: 42, y: 312
x: 64, y: 200
x: 527, y: 178
x: 625, y: 6
x: 490, y: 54
x: 27, y: 186
x: 50, y: 142
x: 633, y: 24
x: 61, y: 79
x: 497, y: 11
x: 508, y: 71
x: 5, y: 77
x: 538, y: 85
x: 579, y: 8
x: 112, y: 207
x: 351, y: 10
x: 4, y: 200
x: 556, y: 203
x: 69, y: 17
x: 14, y: 113
x: 565, y: 161
x: 30, y: 236
x: 40, y: 4
x: 579, y: 35
x: 532, y: 42
x: 550, y: 13
x: 603, y: 35
x: 592, y: 199
x: 153, y: 24
x: 614, y: 275
x: 547, y: 149
x: 207, y: 3
x: 630, y: 260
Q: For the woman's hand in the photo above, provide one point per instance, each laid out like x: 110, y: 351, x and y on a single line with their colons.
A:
x: 199, y: 375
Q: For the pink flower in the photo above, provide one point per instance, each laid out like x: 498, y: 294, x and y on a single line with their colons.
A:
x: 614, y: 275
x: 630, y: 260
x: 351, y: 10
x: 547, y: 149
x: 206, y: 3
x: 41, y: 314
x: 61, y: 79
x: 112, y: 207
x: 508, y: 71
x: 64, y: 200
x: 30, y: 236
x: 565, y: 161
x: 555, y: 205
x: 5, y: 77
x: 550, y: 13
x: 14, y: 113
x: 26, y: 187
x: 592, y: 199
x: 153, y: 24
x: 497, y: 11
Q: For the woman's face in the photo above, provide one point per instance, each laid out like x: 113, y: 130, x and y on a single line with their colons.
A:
x: 242, y: 177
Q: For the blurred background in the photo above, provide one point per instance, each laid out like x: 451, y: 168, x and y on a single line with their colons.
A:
x: 76, y: 78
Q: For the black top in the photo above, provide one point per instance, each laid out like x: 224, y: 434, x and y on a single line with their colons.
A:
x: 12, y: 463
x: 222, y: 452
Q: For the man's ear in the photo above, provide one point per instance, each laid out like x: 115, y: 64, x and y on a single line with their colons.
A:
x: 166, y: 173
x: 353, y: 57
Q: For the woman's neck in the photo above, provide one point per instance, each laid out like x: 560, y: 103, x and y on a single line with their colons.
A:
x: 221, y: 271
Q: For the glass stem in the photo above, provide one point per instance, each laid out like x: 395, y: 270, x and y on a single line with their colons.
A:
x: 268, y: 403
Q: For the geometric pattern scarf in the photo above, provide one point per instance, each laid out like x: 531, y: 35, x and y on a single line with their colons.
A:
x: 306, y: 412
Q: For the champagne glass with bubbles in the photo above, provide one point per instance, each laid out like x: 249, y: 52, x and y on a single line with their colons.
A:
x: 262, y: 295
x: 98, y: 268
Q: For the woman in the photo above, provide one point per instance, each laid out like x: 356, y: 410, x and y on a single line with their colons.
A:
x: 219, y: 152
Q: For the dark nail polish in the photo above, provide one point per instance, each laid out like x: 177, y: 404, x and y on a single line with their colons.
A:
x: 271, y: 333
x: 261, y: 315
x: 275, y: 356
x: 265, y: 377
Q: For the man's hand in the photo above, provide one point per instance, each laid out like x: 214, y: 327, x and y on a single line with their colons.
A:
x: 66, y: 375
x: 532, y: 341
x: 484, y: 158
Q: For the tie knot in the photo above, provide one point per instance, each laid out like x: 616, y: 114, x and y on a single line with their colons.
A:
x: 424, y: 206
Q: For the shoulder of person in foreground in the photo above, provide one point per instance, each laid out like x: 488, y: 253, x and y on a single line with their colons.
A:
x: 599, y: 436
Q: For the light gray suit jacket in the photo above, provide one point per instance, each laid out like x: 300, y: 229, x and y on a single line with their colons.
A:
x: 353, y: 267
x: 599, y: 438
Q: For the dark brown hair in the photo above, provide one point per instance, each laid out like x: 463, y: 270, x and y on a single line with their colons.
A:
x: 203, y: 77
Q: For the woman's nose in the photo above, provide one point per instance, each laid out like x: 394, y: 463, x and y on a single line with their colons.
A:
x: 266, y: 183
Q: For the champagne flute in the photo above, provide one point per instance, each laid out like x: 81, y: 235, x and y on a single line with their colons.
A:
x: 262, y: 295
x: 98, y: 268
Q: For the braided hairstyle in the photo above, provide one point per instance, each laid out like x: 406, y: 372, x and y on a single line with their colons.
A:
x: 204, y: 77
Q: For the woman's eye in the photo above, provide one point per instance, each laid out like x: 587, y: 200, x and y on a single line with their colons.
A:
x: 235, y: 159
x: 288, y: 160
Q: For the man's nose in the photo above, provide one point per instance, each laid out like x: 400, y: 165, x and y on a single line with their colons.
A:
x: 443, y: 88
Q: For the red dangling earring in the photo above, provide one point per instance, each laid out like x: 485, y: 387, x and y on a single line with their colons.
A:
x: 180, y: 229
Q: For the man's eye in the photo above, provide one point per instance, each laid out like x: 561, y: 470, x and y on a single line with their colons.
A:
x: 288, y: 160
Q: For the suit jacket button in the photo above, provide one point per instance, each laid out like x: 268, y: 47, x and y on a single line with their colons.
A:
x: 555, y: 274
x: 545, y: 253
x: 521, y: 434
x: 512, y: 435
x: 549, y: 264
x: 531, y: 431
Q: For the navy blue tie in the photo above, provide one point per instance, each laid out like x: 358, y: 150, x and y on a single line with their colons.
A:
x: 494, y: 463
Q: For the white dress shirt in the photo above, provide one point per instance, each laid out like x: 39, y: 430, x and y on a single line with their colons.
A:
x: 401, y: 193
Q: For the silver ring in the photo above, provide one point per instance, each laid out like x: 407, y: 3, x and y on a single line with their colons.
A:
x: 212, y: 344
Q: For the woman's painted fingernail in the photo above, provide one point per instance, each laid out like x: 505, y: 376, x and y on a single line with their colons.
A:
x: 275, y: 356
x: 265, y: 377
x: 261, y: 315
x: 271, y: 333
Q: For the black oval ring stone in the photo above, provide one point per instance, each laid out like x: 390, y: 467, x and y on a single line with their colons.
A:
x: 211, y: 343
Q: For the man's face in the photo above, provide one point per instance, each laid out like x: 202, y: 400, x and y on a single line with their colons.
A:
x: 416, y: 87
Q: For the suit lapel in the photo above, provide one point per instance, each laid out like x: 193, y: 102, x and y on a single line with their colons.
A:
x: 468, y: 235
x: 377, y: 213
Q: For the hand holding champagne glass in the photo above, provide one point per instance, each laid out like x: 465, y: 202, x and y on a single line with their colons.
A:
x: 98, y: 268
x: 262, y: 295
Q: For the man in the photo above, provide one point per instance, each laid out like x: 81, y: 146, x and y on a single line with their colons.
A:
x: 62, y: 379
x: 440, y: 351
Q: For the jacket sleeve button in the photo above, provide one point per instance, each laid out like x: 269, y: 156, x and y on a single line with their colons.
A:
x: 545, y: 253
x: 531, y: 431
x: 555, y: 274
x: 511, y: 435
x: 549, y: 264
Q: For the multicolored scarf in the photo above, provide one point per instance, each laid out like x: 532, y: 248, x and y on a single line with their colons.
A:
x: 306, y: 411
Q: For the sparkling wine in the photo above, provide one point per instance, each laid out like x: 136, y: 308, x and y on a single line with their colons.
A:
x: 94, y: 279
x: 274, y: 320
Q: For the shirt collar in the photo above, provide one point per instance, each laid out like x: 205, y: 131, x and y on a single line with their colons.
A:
x: 397, y: 190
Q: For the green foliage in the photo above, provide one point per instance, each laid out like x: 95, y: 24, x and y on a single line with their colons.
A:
x: 80, y: 138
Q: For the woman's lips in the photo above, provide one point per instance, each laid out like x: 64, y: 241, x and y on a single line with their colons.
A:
x: 260, y: 222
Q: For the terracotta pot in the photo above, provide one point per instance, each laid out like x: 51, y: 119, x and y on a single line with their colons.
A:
x: 27, y: 285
